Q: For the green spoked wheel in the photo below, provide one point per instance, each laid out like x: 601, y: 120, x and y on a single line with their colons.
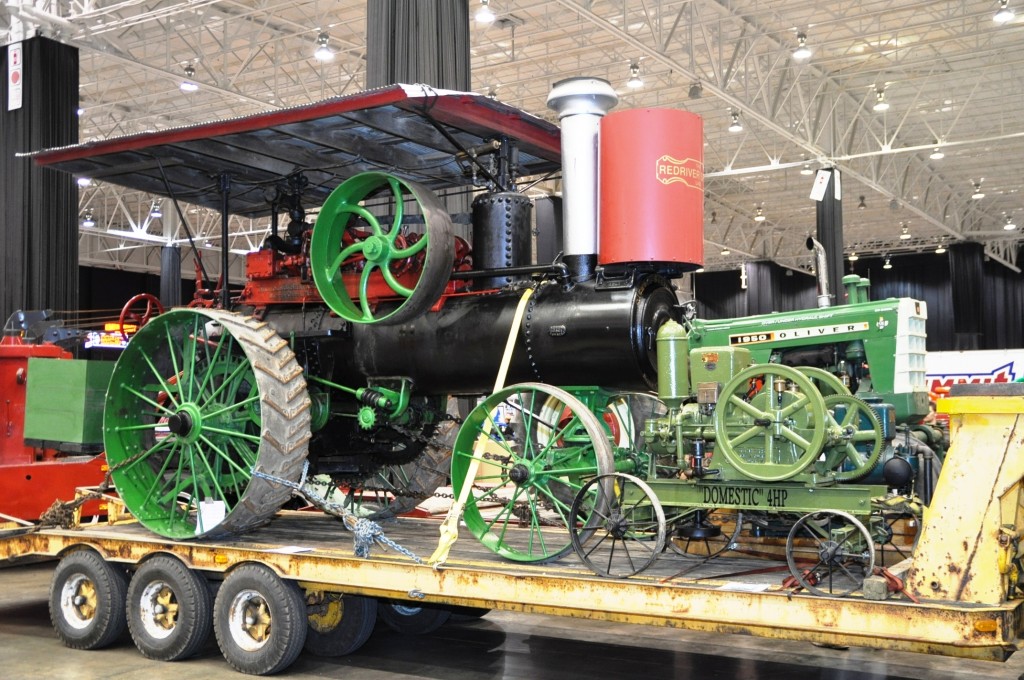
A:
x: 826, y: 382
x: 197, y: 401
x: 770, y: 422
x: 856, y: 453
x: 381, y: 262
x: 538, y: 447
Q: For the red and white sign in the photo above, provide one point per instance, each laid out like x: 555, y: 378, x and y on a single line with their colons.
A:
x: 14, y: 76
x: 945, y: 369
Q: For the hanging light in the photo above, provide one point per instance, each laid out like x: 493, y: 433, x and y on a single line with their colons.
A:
x: 155, y: 212
x: 854, y: 256
x: 888, y: 264
x: 862, y: 204
x: 735, y: 125
x: 806, y: 170
x: 696, y: 90
x: 940, y: 249
x: 802, y: 51
x: 978, y: 193
x: 1004, y: 13
x: 759, y: 215
x: 880, y: 103
x: 83, y: 182
x: 1009, y: 225
x: 904, y: 232
x: 484, y: 15
x: 937, y: 155
x: 188, y: 85
x: 726, y: 251
x: 634, y: 76
x: 323, y: 50
x: 87, y: 219
x: 714, y: 217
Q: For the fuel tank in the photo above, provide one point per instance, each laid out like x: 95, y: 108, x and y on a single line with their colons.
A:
x: 593, y: 333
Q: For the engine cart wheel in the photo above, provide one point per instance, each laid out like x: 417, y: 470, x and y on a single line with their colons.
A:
x: 405, y: 617
x: 703, y: 533
x: 770, y: 422
x: 260, y: 620
x: 830, y: 553
x: 338, y: 245
x: 339, y: 624
x: 87, y: 600
x: 630, y: 532
x: 539, y: 446
x: 856, y: 454
x: 169, y: 609
x: 197, y: 401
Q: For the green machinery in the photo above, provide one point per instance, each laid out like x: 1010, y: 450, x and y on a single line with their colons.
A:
x: 728, y: 444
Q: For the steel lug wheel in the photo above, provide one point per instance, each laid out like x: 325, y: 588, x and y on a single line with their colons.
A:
x: 830, y: 553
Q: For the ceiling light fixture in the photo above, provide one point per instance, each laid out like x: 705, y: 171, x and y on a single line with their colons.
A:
x: 726, y: 251
x: 802, y: 51
x: 854, y: 256
x: 759, y: 215
x: 714, y: 217
x: 880, y: 103
x: 323, y: 50
x: 978, y: 193
x: 87, y: 219
x: 940, y: 249
x: 1009, y: 226
x: 634, y: 76
x: 484, y: 15
x: 862, y: 204
x: 1004, y: 13
x: 83, y: 182
x: 888, y: 264
x: 806, y: 170
x: 155, y: 212
x: 696, y: 90
x: 188, y: 85
x: 904, y: 232
x: 937, y: 155
x: 735, y: 125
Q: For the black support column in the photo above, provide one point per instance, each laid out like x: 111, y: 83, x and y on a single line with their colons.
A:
x: 38, y: 206
x: 418, y: 41
x: 966, y: 272
x: 829, y: 232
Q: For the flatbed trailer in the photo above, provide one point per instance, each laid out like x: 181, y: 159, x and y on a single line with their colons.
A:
x: 316, y: 553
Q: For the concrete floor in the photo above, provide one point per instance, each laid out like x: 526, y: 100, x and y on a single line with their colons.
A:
x: 500, y: 645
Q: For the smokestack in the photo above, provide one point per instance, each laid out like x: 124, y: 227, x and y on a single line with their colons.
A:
x: 580, y: 104
x: 821, y: 266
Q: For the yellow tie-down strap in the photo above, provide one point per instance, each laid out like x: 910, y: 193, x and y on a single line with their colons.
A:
x: 450, y: 525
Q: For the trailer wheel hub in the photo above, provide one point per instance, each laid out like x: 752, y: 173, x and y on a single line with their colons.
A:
x: 519, y: 474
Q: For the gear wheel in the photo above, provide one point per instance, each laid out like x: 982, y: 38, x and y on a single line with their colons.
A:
x: 367, y: 417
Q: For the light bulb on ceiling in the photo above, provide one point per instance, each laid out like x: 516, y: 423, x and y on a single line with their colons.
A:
x: 155, y: 211
x: 904, y: 232
x: 634, y: 76
x: 937, y: 155
x: 726, y: 251
x: 880, y: 103
x: 978, y: 193
x: 1009, y: 225
x: 888, y: 264
x: 854, y: 256
x: 862, y: 204
x: 484, y: 15
x: 87, y: 220
x: 940, y: 249
x: 188, y: 85
x: 1004, y: 13
x: 759, y: 215
x: 323, y: 50
x: 806, y: 170
x: 696, y: 90
x: 84, y: 182
x: 802, y: 51
x: 714, y: 217
x: 735, y: 125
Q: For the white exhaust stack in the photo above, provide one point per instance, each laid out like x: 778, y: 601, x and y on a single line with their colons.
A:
x: 580, y: 104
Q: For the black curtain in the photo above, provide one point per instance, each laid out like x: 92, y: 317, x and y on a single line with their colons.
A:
x: 965, y: 273
x: 770, y: 288
x: 39, y: 206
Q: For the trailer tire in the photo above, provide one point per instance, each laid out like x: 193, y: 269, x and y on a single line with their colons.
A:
x: 405, y: 617
x: 87, y: 600
x: 340, y: 624
x: 169, y: 609
x: 259, y: 620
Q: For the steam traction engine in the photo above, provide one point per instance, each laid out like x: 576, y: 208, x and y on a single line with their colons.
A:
x: 349, y: 337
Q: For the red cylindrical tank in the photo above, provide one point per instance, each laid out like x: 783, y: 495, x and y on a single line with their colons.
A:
x: 652, y: 188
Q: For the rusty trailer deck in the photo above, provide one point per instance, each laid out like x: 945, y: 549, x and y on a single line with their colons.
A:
x: 680, y: 592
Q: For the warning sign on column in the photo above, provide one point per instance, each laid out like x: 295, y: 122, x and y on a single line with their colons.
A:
x: 14, y: 76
